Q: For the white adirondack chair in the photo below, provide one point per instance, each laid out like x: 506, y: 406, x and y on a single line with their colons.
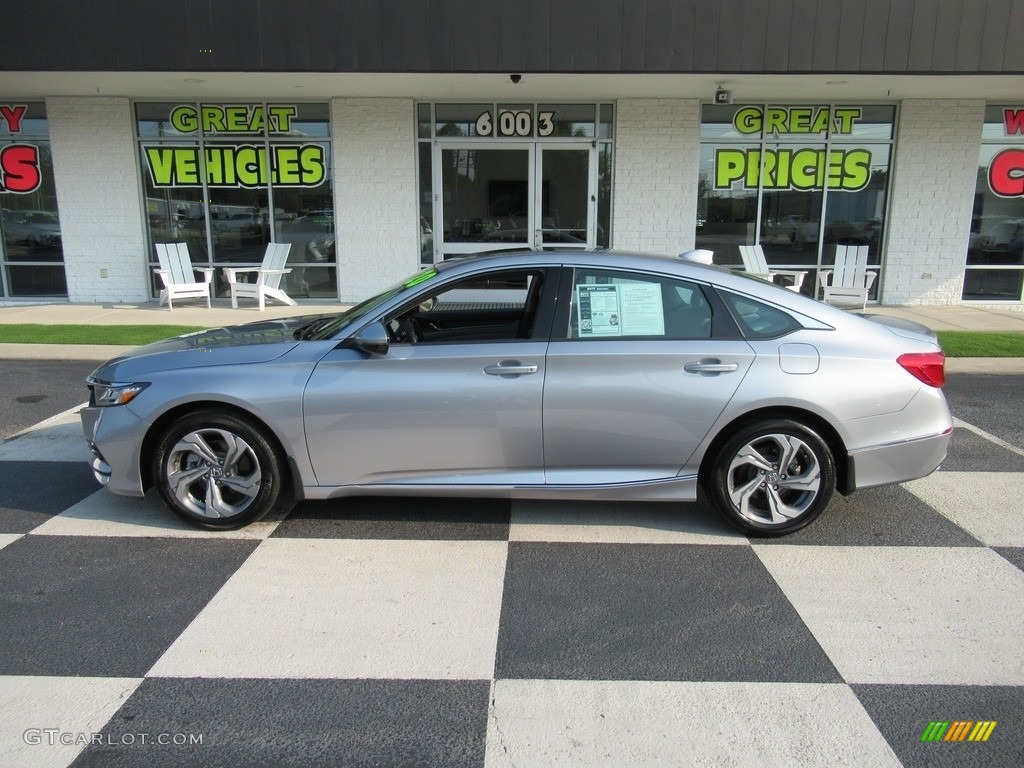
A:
x: 850, y: 282
x: 178, y: 275
x: 754, y: 263
x: 268, y: 278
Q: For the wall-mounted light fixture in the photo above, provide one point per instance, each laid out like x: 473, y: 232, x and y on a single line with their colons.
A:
x: 722, y: 96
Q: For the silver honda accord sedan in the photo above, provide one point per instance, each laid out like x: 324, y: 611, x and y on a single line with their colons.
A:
x: 532, y: 375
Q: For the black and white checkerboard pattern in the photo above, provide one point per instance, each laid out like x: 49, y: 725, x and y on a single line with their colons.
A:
x: 472, y: 632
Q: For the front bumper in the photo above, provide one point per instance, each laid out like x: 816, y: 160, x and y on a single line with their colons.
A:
x: 115, y: 437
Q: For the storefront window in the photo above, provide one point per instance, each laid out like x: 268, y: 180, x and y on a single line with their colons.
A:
x: 228, y: 178
x: 460, y: 120
x: 32, y: 252
x: 797, y: 179
x: 574, y: 120
x: 995, y: 252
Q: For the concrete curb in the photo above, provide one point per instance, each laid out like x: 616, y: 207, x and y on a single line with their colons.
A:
x: 996, y: 365
x: 97, y: 352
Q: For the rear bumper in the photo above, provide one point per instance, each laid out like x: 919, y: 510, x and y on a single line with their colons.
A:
x: 898, y: 462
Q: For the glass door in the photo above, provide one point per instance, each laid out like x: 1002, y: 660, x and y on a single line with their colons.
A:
x: 566, y: 196
x: 517, y: 195
x: 482, y: 198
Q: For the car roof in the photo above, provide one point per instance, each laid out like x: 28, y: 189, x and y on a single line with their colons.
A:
x: 558, y: 256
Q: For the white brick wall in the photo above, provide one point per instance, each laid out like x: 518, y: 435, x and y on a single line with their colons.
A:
x: 936, y: 168
x: 374, y: 156
x: 375, y: 193
x: 98, y: 198
x: 657, y: 160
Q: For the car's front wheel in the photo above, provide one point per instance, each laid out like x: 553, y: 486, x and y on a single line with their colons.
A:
x: 216, y: 470
x: 772, y: 477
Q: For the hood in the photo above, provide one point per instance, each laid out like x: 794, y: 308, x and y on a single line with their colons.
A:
x: 256, y: 342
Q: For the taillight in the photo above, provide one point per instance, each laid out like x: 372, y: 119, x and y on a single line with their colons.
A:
x: 929, y: 367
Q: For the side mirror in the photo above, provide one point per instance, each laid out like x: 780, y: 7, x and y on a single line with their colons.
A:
x: 373, y: 340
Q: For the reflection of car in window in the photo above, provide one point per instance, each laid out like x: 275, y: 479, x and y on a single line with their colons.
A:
x: 236, y: 222
x: 521, y: 236
x: 36, y: 229
x: 315, y: 230
x: 800, y: 229
x: 999, y: 242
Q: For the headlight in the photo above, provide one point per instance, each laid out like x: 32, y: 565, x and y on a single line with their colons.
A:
x: 105, y: 393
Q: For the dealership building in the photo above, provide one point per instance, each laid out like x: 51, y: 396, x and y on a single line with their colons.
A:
x: 377, y: 137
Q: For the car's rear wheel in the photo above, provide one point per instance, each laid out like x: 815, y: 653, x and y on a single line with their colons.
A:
x: 217, y: 471
x: 772, y: 477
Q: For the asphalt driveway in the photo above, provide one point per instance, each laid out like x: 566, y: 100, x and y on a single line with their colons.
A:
x: 484, y: 632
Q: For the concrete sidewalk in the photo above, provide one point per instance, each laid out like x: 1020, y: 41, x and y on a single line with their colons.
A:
x: 939, y: 318
x: 151, y: 313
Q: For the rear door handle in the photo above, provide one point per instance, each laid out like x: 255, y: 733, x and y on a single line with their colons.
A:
x: 510, y: 368
x: 710, y: 366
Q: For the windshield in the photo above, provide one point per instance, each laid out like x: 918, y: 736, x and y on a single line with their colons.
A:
x: 364, y: 308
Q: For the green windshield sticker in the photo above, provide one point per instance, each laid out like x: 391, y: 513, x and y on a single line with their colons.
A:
x: 422, y: 277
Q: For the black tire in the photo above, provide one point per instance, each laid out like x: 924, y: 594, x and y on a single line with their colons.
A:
x: 771, y: 478
x: 206, y: 455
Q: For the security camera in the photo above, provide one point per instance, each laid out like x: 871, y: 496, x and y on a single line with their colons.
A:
x: 723, y: 96
x: 515, y: 78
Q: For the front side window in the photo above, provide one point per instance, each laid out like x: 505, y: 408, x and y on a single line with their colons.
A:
x: 501, y: 306
x: 32, y: 250
x: 797, y: 179
x: 606, y: 304
x: 995, y: 251
x: 228, y: 178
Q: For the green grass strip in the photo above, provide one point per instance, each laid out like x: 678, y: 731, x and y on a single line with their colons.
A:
x: 981, y: 343
x: 125, y: 335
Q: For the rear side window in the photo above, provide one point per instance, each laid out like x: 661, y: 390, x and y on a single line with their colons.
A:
x: 758, y: 320
x: 606, y: 304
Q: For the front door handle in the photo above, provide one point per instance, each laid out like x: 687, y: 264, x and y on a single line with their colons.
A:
x: 710, y: 366
x: 510, y: 368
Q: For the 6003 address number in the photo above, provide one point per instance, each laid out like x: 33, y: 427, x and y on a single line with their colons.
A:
x: 515, y: 123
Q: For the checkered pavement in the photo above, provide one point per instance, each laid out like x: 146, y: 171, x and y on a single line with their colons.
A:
x: 479, y: 632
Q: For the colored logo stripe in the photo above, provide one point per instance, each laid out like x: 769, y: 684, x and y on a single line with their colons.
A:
x: 958, y: 730
x: 982, y: 730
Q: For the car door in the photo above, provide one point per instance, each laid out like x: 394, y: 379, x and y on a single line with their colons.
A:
x: 457, y: 398
x: 639, y: 368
